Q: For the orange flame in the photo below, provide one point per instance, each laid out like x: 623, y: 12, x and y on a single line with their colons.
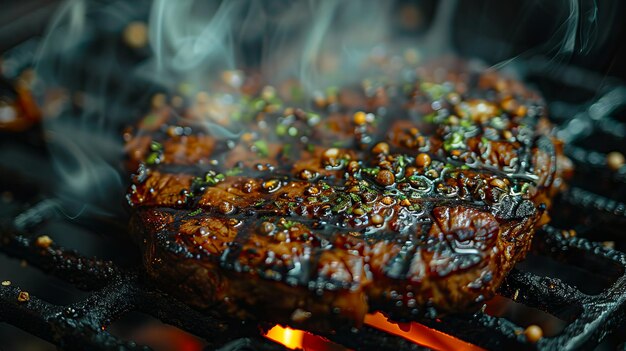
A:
x: 290, y: 338
x: 414, y: 332
x: 419, y: 334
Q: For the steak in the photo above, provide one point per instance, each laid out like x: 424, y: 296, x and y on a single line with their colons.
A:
x: 413, y: 195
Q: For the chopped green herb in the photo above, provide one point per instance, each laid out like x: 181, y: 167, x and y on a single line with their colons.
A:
x: 415, y: 207
x: 355, y: 198
x: 401, y: 161
x: 274, y: 104
x: 281, y: 129
x: 430, y: 118
x: 435, y: 91
x: 153, y: 158
x: 234, y: 171
x: 210, y: 179
x: 456, y: 141
x: 236, y: 115
x: 343, y: 202
x: 156, y: 146
x: 195, y: 213
x: 371, y: 171
x: 287, y: 224
x: 258, y: 104
x: 465, y: 123
x: 262, y: 148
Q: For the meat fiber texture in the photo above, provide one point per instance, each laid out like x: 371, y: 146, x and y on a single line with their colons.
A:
x: 413, y: 194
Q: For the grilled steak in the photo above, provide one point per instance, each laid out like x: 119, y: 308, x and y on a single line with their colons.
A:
x: 412, y: 196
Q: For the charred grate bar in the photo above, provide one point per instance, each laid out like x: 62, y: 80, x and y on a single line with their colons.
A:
x: 82, y: 325
x: 598, y: 314
x: 115, y: 292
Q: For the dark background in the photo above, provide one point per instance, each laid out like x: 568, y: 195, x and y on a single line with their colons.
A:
x: 490, y: 29
x: 493, y: 30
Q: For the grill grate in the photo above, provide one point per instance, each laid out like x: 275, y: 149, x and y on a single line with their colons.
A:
x: 115, y: 291
x: 598, y: 315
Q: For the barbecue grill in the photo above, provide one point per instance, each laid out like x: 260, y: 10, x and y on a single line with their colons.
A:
x: 574, y: 280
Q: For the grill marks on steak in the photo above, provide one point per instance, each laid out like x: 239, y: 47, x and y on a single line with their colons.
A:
x: 315, y: 218
x: 334, y: 276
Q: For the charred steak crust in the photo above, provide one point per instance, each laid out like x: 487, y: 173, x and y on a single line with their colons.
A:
x: 414, y: 198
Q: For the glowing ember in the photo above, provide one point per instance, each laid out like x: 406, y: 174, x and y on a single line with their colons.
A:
x: 419, y: 334
x: 300, y: 340
x: 414, y: 332
x: 290, y: 338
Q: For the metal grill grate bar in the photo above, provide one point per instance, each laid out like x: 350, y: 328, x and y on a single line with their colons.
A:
x: 599, y: 204
x: 548, y: 294
x: 86, y: 273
